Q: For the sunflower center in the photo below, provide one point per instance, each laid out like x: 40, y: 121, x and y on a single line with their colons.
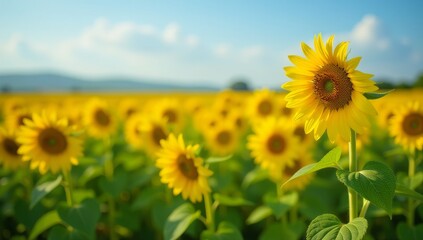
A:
x: 22, y: 118
x: 333, y: 87
x: 299, y: 131
x: 52, y: 141
x: 158, y: 134
x: 223, y: 137
x: 11, y: 146
x: 265, y: 108
x: 101, y: 117
x: 187, y: 167
x: 291, y: 170
x: 170, y: 115
x: 239, y: 122
x: 276, y: 144
x: 413, y: 124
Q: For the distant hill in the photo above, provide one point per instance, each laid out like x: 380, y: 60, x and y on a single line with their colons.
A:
x: 61, y: 83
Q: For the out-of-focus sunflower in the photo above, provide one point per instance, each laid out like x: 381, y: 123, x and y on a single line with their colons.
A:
x: 223, y: 139
x: 273, y: 141
x: 182, y: 170
x: 262, y: 105
x: 128, y: 107
x: 133, y: 134
x: 407, y: 126
x: 15, y: 119
x: 237, y: 118
x: 99, y: 119
x: 153, y: 129
x: 327, y: 90
x: 48, y: 143
x: 171, y: 111
x: 9, y: 156
x: 282, y: 173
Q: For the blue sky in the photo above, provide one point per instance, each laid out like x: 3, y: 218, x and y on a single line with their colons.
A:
x: 210, y: 42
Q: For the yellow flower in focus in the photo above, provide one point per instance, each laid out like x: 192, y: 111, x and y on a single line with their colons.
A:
x: 48, y: 143
x: 99, y: 120
x: 9, y: 156
x: 327, y: 90
x: 182, y: 170
x: 406, y: 126
x: 274, y: 143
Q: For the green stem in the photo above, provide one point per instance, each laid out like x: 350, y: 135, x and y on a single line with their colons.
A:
x: 109, y: 172
x: 209, y: 212
x: 411, y: 171
x: 293, y: 214
x: 353, y: 167
x: 68, y: 188
x: 364, y: 208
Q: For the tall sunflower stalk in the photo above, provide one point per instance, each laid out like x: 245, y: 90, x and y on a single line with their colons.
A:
x: 48, y: 142
x: 328, y: 93
x: 183, y: 171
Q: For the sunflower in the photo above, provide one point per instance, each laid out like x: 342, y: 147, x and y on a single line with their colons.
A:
x: 48, y: 143
x: 170, y: 110
x: 327, y: 90
x: 262, y: 105
x: 223, y: 139
x: 133, y: 134
x: 182, y: 170
x: 153, y: 130
x: 273, y: 141
x: 9, y: 149
x: 15, y: 119
x: 98, y: 119
x: 281, y: 173
x: 406, y: 126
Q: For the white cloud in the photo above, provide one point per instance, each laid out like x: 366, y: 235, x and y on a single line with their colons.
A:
x: 252, y: 52
x: 369, y: 33
x: 192, y: 40
x: 171, y: 33
x: 222, y: 50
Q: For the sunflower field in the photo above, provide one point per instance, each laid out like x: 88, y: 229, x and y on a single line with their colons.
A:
x: 330, y: 156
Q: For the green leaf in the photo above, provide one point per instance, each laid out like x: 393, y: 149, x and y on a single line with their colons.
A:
x: 82, y: 217
x: 45, y: 222
x: 225, y: 231
x: 62, y: 233
x: 281, y: 205
x: 145, y: 198
x: 43, y: 189
x: 407, y: 192
x: 286, y: 231
x: 256, y: 175
x: 328, y: 226
x: 218, y: 159
x: 377, y: 95
x: 231, y: 201
x: 115, y: 186
x: 179, y: 220
x: 329, y: 160
x: 259, y: 214
x: 407, y: 232
x: 376, y: 183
